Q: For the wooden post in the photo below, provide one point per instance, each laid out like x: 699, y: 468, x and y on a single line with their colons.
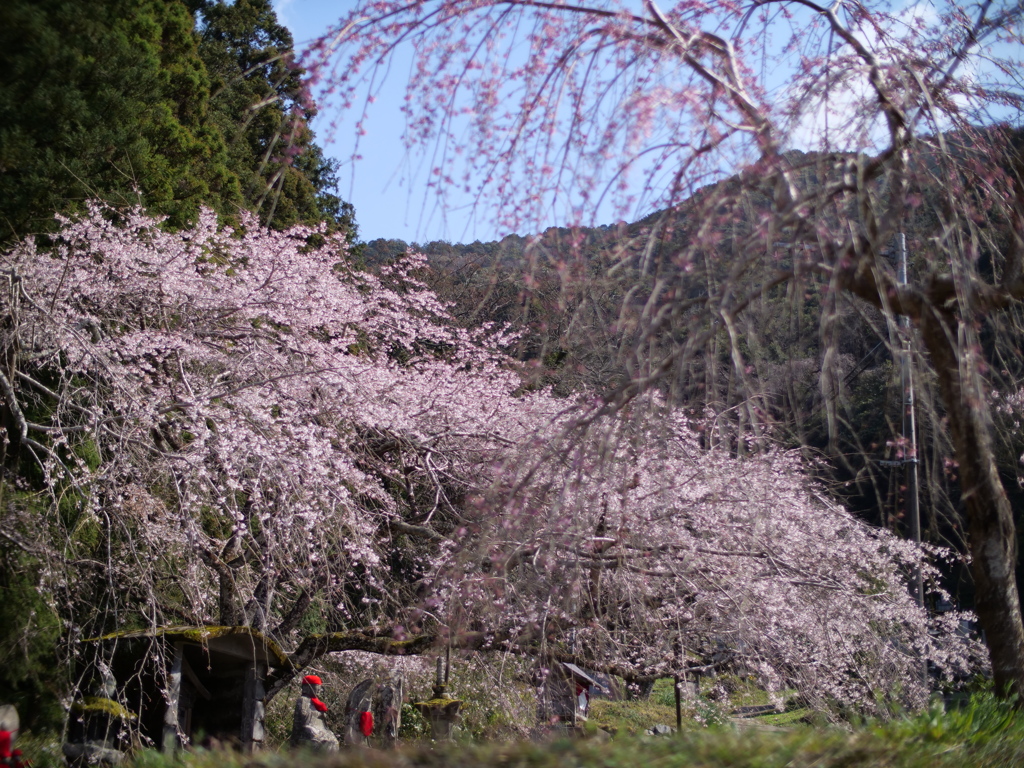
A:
x: 679, y: 703
x: 253, y: 695
x: 678, y: 648
x: 172, y: 696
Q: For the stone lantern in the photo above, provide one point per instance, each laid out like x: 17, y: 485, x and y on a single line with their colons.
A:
x: 441, y: 711
x: 98, y: 726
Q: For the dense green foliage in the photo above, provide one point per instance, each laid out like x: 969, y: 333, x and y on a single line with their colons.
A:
x: 103, y: 99
x: 261, y: 108
x: 30, y: 632
x: 179, y: 104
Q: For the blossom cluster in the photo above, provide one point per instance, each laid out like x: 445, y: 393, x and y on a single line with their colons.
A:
x: 650, y: 552
x: 257, y: 413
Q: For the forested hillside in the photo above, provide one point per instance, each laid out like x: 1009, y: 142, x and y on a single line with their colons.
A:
x: 576, y: 296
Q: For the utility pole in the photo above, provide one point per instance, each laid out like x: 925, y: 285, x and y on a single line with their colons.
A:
x: 909, y: 424
x: 910, y: 437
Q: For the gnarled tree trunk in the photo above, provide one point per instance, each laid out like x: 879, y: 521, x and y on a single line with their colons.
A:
x: 992, y: 538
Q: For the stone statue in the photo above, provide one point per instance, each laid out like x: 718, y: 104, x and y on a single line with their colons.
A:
x: 308, y: 729
x: 388, y: 712
x: 9, y: 724
x: 359, y: 715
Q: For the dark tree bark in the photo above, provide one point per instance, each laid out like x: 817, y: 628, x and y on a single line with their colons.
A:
x: 992, y: 536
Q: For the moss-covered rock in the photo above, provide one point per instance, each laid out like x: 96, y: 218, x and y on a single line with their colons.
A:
x: 90, y: 705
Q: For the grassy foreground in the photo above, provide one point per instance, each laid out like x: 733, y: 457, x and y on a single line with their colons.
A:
x: 982, y: 733
x: 807, y: 748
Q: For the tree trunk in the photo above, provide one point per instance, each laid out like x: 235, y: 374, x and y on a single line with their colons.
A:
x: 639, y: 688
x: 992, y: 538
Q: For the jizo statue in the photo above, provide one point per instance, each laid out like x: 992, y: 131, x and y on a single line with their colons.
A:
x: 359, y: 721
x: 388, y: 712
x: 9, y: 724
x: 308, y: 728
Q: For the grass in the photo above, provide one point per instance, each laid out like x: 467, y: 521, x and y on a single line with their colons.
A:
x: 629, y: 718
x: 42, y: 749
x: 788, y: 719
x: 990, y: 737
x: 984, y: 733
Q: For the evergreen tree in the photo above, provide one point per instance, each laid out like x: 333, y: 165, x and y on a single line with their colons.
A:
x: 129, y: 99
x: 105, y: 99
x: 263, y: 109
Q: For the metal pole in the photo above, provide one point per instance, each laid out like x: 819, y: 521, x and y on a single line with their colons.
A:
x: 910, y: 435
x: 676, y: 679
x: 909, y: 425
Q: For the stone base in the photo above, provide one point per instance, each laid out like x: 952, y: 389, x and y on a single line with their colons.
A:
x: 91, y: 754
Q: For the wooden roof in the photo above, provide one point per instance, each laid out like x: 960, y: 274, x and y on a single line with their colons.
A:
x: 580, y: 676
x: 239, y: 642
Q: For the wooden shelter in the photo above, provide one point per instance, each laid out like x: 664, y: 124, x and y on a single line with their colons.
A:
x: 194, y: 685
x: 565, y: 695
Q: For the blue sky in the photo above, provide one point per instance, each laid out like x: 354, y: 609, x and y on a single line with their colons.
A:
x: 388, y: 185
x: 384, y: 187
